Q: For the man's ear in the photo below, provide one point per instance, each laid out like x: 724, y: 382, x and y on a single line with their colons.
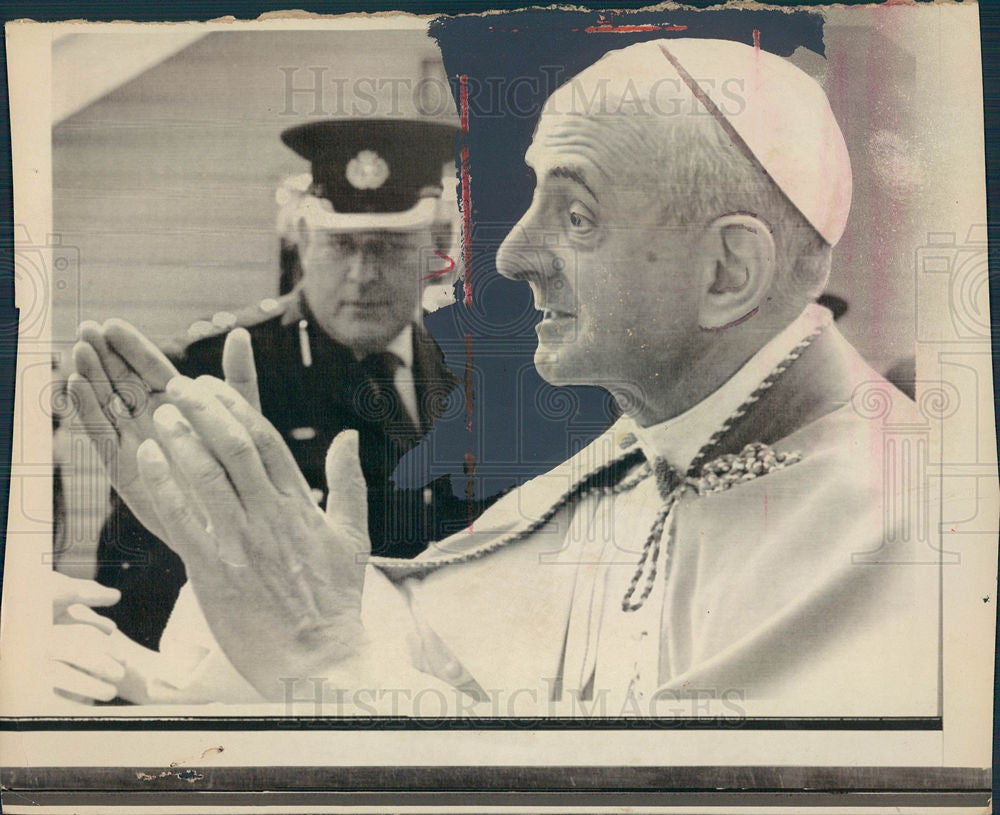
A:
x: 739, y: 268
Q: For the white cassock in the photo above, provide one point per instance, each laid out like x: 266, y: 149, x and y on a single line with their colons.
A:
x: 797, y: 590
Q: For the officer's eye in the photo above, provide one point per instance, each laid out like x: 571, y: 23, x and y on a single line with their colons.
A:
x: 386, y: 245
x: 581, y: 220
x: 342, y: 242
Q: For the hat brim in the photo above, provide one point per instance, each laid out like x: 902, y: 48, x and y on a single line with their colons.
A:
x: 318, y: 216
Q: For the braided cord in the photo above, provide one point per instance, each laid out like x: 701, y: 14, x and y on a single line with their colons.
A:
x: 611, y: 480
x: 671, y: 488
x: 611, y: 474
x: 761, y: 389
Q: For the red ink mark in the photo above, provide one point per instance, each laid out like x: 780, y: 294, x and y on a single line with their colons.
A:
x: 605, y: 26
x: 463, y: 101
x: 467, y: 225
x: 466, y: 190
x: 756, y: 40
x: 443, y: 256
x: 470, y: 396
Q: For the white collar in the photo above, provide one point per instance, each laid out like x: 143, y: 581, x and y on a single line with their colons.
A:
x: 679, y: 439
x: 402, y: 345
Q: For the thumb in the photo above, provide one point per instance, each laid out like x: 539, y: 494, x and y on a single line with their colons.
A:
x: 347, y: 493
x: 238, y: 366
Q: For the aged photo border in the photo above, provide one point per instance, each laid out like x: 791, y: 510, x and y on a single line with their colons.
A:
x: 953, y: 782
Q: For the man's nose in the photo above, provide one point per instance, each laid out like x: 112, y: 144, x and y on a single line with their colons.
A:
x: 518, y: 257
x: 364, y: 267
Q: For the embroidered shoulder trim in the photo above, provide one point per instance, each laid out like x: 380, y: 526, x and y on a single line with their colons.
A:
x: 751, y: 462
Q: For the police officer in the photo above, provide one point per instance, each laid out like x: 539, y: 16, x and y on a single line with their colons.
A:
x: 345, y: 348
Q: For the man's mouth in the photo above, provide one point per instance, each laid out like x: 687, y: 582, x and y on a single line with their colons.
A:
x: 556, y: 314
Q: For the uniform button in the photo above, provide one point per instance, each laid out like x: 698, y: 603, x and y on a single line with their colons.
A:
x: 317, y: 495
x: 302, y: 433
x: 125, y: 565
x: 428, y: 496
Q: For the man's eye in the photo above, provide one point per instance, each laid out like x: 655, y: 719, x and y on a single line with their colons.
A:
x: 580, y: 219
x: 341, y: 243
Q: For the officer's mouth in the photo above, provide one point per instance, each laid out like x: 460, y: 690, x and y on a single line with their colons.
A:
x: 366, y: 306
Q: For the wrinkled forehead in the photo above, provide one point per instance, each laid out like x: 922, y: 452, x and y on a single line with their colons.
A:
x: 613, y: 146
x: 614, y: 112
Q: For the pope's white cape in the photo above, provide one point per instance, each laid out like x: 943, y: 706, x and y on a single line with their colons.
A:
x: 769, y: 595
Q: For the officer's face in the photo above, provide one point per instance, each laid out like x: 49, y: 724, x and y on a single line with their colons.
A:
x: 610, y: 278
x: 363, y: 287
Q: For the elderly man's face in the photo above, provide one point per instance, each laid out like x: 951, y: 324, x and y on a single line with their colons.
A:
x: 363, y: 287
x: 613, y: 283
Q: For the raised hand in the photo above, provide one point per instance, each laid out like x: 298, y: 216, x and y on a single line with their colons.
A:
x: 279, y: 580
x: 119, y: 381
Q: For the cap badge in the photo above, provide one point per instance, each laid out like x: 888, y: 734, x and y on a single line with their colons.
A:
x: 367, y: 171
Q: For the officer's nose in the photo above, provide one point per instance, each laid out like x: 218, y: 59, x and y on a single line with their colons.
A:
x: 364, y: 266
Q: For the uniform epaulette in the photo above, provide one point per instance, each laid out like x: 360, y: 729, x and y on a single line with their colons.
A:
x: 224, y: 321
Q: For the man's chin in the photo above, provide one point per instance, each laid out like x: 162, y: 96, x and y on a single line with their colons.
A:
x: 553, y: 368
x: 364, y: 336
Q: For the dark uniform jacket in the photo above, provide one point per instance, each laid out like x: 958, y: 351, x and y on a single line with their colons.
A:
x: 311, y: 388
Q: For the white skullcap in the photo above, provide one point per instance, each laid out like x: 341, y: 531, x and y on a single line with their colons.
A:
x: 773, y: 111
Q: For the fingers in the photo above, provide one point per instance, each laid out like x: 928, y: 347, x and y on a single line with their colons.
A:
x: 69, y: 590
x: 110, y: 375
x: 238, y: 366
x: 224, y: 436
x: 144, y: 359
x: 84, y: 615
x: 88, y: 365
x: 277, y: 459
x: 85, y: 652
x: 197, y: 465
x: 67, y: 679
x: 347, y: 500
x: 103, y: 434
x: 86, y: 648
x: 185, y: 532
